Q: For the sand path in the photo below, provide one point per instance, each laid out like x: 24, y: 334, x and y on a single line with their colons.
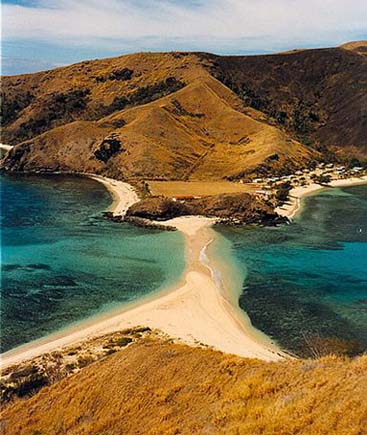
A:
x: 196, y: 310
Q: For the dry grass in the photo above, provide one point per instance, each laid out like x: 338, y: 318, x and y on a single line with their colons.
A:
x: 199, y: 132
x: 156, y: 387
x: 197, y: 188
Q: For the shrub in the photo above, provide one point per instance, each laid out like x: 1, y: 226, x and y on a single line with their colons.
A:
x: 34, y: 383
x: 10, y: 107
x: 119, y: 74
x: 283, y: 191
x: 24, y: 372
x: 322, y: 179
x: 83, y: 361
x: 108, y: 148
x: 59, y: 106
x: 123, y: 341
x: 70, y: 366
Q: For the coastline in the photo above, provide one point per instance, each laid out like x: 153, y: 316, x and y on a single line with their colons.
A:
x: 294, y: 205
x: 198, y: 310
x: 123, y: 194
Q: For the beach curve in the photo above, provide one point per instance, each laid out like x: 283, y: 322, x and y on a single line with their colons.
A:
x: 195, y: 311
x: 294, y: 204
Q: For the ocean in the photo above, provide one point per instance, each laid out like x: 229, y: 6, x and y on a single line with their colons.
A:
x: 62, y: 261
x: 305, y: 283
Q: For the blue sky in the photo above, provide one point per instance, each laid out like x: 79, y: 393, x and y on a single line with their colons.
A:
x: 41, y: 34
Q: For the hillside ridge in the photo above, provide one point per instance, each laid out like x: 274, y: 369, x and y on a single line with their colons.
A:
x: 181, y: 115
x: 203, y: 391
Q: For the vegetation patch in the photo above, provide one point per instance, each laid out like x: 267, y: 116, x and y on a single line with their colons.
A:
x: 57, y: 107
x: 12, y: 106
x: 123, y: 74
x: 108, y: 148
x: 181, y: 111
x: 123, y: 341
x: 143, y: 95
x: 22, y: 383
x: 26, y: 379
x: 283, y: 192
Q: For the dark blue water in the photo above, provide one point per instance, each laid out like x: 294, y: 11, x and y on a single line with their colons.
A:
x: 306, y: 283
x: 63, y: 262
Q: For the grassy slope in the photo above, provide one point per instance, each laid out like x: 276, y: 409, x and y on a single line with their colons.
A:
x: 359, y: 47
x: 156, y: 387
x: 319, y: 95
x: 198, y: 132
x: 196, y: 116
x: 147, y: 69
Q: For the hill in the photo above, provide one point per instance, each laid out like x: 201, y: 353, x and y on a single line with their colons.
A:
x: 319, y: 95
x: 359, y: 47
x: 158, y: 387
x: 187, y: 116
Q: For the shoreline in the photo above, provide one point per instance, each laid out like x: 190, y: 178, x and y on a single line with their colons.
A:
x: 123, y: 194
x: 294, y: 205
x: 197, y: 310
x: 200, y: 309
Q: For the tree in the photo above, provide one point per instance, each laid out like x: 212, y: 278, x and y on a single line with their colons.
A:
x: 322, y: 179
x: 354, y: 162
x: 283, y: 191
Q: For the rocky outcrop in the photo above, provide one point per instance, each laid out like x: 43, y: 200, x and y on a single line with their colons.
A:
x: 146, y: 223
x: 138, y: 222
x: 232, y: 209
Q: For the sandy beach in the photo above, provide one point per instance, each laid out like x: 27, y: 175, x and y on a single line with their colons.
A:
x: 293, y: 205
x: 123, y: 194
x: 197, y: 310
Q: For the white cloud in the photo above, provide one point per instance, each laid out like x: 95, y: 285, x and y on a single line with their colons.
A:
x: 160, y: 23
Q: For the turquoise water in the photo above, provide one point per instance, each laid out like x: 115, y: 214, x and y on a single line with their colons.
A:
x: 306, y: 283
x: 63, y: 262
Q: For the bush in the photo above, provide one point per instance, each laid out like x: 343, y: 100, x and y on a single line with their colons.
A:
x: 283, y: 191
x: 123, y: 341
x: 11, y: 107
x: 34, y: 383
x: 59, y: 106
x: 26, y: 371
x: 354, y: 162
x: 107, y: 149
x: 322, y: 179
x: 143, y: 95
x: 119, y: 74
x: 83, y: 361
x: 70, y: 366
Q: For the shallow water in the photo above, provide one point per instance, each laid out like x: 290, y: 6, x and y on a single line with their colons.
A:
x: 63, y: 262
x: 306, y: 283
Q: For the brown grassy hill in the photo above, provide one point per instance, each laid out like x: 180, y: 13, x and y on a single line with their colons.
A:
x: 359, y: 47
x: 156, y: 387
x: 187, y: 115
x: 90, y: 90
x: 197, y: 132
x: 319, y: 95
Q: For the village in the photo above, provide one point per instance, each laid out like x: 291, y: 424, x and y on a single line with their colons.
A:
x: 323, y: 174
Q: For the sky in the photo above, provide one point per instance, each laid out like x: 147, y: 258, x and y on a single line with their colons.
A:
x: 43, y: 34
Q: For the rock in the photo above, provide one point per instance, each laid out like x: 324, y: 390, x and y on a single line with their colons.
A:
x: 231, y: 209
x: 146, y: 223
